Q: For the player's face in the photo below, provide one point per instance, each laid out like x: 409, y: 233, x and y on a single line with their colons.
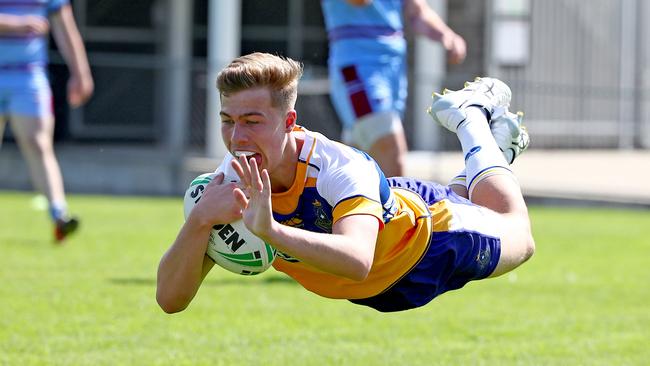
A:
x: 250, y: 124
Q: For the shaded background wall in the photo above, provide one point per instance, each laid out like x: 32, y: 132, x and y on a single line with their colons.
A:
x: 580, y: 74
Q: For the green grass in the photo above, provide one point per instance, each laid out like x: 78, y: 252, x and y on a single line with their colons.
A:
x: 584, y: 299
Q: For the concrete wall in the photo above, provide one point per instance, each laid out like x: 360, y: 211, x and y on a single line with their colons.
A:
x: 97, y: 169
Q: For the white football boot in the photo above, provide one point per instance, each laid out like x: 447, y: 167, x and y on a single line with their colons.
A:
x: 491, y: 94
x: 511, y: 136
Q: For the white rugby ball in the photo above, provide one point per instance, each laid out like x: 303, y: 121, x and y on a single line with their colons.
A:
x: 232, y: 246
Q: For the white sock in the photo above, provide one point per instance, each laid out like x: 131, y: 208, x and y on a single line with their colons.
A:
x: 58, y: 210
x: 483, y: 158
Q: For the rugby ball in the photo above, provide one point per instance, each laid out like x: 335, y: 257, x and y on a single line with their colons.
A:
x: 231, y: 246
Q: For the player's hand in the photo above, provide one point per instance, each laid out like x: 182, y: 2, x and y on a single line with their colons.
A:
x: 32, y: 24
x: 255, y: 197
x: 80, y: 88
x: 217, y: 204
x: 456, y: 48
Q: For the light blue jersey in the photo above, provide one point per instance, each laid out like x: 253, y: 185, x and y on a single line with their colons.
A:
x: 24, y: 87
x: 371, y: 32
x: 367, y: 60
x: 24, y: 51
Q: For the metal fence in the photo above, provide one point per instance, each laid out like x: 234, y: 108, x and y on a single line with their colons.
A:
x: 584, y: 83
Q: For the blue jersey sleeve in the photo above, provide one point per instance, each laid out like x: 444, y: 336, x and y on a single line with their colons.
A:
x: 56, y: 5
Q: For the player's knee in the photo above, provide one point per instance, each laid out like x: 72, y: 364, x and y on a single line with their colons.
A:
x: 371, y: 128
x: 529, y: 247
x: 526, y: 240
x: 522, y: 239
x: 36, y: 144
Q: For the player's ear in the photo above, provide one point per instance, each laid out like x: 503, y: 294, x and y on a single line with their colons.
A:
x: 290, y: 120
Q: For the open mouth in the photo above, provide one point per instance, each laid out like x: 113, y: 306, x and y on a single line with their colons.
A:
x: 244, y: 153
x: 248, y: 155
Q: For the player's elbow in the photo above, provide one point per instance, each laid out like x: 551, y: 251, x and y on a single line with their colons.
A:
x: 170, y: 304
x: 360, y: 271
x: 358, y: 276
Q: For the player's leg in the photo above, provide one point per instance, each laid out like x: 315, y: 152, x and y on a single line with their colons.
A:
x: 381, y: 135
x: 32, y: 123
x: 34, y: 137
x: 390, y: 153
x: 489, y: 181
x: 499, y: 191
x: 391, y: 150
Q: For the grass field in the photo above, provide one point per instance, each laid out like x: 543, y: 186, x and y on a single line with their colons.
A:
x: 584, y: 299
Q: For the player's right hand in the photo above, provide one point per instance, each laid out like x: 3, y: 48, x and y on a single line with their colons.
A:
x: 32, y: 24
x: 255, y: 198
x: 217, y: 204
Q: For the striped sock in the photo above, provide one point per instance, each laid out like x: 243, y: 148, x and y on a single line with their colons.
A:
x: 460, y: 179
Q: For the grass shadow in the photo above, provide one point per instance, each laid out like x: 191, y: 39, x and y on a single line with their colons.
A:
x: 270, y: 280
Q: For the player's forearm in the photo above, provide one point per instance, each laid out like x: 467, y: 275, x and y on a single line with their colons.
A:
x: 182, y: 268
x: 23, y: 24
x: 8, y: 23
x: 69, y: 42
x: 336, y: 254
x: 425, y: 21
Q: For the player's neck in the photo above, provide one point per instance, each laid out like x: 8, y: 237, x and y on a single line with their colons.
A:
x: 283, y: 177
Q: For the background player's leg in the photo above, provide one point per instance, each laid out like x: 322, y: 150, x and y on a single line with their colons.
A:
x: 390, y: 152
x: 34, y: 136
x: 381, y: 134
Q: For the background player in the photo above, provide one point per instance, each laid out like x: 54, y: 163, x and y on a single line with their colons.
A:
x: 367, y: 70
x: 25, y: 95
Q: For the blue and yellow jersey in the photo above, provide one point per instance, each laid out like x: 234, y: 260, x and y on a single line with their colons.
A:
x: 358, y: 33
x: 23, y: 51
x: 333, y: 181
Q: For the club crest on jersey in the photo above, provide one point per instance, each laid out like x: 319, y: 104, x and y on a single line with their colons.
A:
x: 323, y: 221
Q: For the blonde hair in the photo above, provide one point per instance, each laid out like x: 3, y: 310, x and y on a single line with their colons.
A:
x: 279, y: 74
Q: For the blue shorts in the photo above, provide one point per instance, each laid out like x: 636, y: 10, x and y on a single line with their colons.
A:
x: 25, y: 93
x: 452, y: 259
x: 361, y: 89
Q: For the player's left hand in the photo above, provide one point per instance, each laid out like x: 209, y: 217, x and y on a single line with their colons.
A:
x: 254, y: 198
x: 80, y: 88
